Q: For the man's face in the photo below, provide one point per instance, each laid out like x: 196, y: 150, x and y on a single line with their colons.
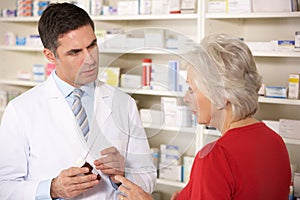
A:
x: 78, y: 56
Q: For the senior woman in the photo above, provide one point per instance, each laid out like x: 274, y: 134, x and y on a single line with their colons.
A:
x: 249, y: 160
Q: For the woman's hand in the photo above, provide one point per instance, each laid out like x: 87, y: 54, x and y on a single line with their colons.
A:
x: 131, y: 191
x: 174, y: 195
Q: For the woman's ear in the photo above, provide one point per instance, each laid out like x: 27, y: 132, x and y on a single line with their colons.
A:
x: 49, y: 55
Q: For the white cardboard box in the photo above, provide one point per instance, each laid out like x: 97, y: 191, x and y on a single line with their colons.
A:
x: 239, y: 6
x: 274, y: 125
x: 131, y: 81
x: 289, y: 128
x: 187, y: 167
x: 271, y: 6
x: 151, y: 116
x: 170, y: 172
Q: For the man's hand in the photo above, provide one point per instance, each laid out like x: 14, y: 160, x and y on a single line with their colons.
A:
x: 72, y: 182
x: 113, y: 163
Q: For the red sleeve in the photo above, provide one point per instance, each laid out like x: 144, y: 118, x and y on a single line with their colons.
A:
x: 211, y: 176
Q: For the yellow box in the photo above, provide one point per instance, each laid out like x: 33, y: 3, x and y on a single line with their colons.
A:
x: 293, y: 91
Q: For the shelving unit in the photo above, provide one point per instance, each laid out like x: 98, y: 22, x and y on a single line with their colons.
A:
x: 251, y: 26
x: 171, y: 183
x: 257, y: 15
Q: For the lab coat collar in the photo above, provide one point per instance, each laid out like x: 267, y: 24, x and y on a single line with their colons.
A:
x: 51, y: 88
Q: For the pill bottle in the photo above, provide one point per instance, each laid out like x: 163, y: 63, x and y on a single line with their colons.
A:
x: 146, y: 65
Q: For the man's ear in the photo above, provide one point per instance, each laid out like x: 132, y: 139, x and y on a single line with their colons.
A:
x: 49, y: 55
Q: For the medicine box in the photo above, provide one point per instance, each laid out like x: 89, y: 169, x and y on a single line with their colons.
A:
x: 276, y: 92
x: 239, y: 6
x: 285, y: 45
x: 154, y: 37
x: 289, y: 128
x: 217, y: 6
x: 293, y: 92
x: 271, y: 6
x: 151, y: 116
x: 131, y: 81
x: 109, y: 75
x: 274, y: 125
x: 171, y: 172
x: 187, y: 167
x: 169, y: 107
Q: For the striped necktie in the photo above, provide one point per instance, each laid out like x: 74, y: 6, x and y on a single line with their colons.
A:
x: 79, y: 112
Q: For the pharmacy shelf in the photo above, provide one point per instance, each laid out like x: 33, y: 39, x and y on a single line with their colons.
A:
x: 168, y: 93
x: 145, y: 17
x: 19, y: 19
x: 288, y: 54
x: 295, y: 54
x: 171, y: 183
x: 113, y: 17
x: 21, y: 48
x: 252, y: 15
x: 294, y: 102
x: 143, y: 51
x: 156, y: 93
x: 170, y: 128
x: 115, y: 51
x: 22, y: 83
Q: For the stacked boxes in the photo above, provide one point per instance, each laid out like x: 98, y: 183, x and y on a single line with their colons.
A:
x: 170, y: 167
x: 24, y: 8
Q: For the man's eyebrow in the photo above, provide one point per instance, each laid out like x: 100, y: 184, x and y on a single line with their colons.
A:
x: 93, y: 43
x: 78, y: 50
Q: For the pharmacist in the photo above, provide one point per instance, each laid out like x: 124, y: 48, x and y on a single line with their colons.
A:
x: 50, y: 131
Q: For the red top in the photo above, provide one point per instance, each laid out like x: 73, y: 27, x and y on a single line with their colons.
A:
x: 246, y: 163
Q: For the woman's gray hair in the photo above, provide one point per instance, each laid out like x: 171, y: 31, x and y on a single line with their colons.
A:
x: 225, y: 71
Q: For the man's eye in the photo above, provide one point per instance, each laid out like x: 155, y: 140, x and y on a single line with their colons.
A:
x: 73, y: 53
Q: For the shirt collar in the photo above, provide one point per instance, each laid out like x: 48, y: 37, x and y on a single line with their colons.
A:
x: 67, y: 89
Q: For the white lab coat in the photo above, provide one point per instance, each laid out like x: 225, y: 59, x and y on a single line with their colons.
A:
x: 39, y: 137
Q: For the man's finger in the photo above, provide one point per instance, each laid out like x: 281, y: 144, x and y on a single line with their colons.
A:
x: 127, y: 183
x: 109, y: 150
x: 74, y: 171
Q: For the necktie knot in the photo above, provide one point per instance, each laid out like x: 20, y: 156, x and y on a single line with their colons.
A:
x: 77, y: 93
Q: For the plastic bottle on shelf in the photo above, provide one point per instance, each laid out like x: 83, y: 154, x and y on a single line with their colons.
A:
x: 146, y: 77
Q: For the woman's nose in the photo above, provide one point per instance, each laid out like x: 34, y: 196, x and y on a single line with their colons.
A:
x: 186, y: 97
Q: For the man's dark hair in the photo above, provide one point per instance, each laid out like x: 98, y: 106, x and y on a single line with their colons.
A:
x: 59, y: 19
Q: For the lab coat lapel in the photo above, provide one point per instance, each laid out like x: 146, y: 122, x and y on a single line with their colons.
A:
x: 102, y: 106
x: 97, y: 139
x: 60, y: 112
